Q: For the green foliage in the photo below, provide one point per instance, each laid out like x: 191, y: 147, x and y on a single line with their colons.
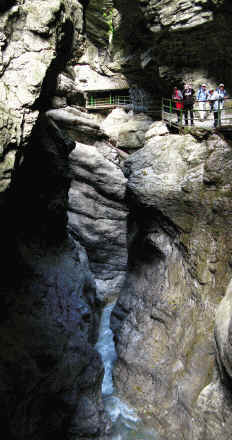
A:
x: 108, y: 16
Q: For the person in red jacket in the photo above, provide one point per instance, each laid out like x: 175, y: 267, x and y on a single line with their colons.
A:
x: 177, y: 97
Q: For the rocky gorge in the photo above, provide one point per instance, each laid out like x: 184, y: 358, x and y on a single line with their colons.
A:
x: 111, y: 205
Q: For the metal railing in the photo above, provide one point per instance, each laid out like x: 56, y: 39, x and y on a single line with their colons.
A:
x: 109, y: 101
x: 215, y: 114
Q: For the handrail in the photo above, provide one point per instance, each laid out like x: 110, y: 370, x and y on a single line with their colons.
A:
x: 219, y: 115
x: 110, y: 100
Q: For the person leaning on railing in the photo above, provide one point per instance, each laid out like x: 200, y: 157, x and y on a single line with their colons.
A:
x: 222, y: 96
x: 188, y: 100
x: 214, y: 100
x: 202, y: 95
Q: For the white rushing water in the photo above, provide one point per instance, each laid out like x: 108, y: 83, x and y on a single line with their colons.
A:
x: 126, y: 424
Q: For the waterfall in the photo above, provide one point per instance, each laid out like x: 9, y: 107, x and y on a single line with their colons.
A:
x: 105, y: 346
x: 126, y: 424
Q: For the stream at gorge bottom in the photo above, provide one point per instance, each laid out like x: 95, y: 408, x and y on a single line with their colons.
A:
x: 126, y: 424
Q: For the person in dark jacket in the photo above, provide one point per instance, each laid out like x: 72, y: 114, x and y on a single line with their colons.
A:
x: 188, y: 100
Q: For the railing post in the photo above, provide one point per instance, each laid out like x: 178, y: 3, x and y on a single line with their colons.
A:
x: 170, y: 111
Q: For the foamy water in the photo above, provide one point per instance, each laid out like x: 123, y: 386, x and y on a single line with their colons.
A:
x: 126, y: 423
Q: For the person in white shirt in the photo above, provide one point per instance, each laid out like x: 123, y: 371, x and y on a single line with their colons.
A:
x: 202, y: 98
x: 222, y: 96
x: 213, y: 98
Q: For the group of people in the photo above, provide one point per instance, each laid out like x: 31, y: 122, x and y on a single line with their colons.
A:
x: 184, y: 102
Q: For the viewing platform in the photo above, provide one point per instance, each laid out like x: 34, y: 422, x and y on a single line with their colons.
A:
x: 166, y: 110
x: 109, y: 102
x: 112, y: 101
x: 223, y: 115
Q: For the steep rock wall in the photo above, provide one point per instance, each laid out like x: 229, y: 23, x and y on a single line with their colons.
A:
x: 179, y: 266
x: 33, y: 36
x: 98, y: 216
x: 179, y: 260
x: 96, y: 209
x: 50, y: 373
x: 167, y: 42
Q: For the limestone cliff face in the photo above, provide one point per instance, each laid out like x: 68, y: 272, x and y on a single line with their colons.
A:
x: 171, y: 42
x: 50, y: 372
x: 98, y: 215
x: 179, y: 267
x: 71, y: 213
x: 35, y: 36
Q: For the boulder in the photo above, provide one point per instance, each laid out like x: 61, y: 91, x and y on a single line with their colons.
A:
x: 157, y: 128
x: 127, y: 130
x: 112, y: 123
